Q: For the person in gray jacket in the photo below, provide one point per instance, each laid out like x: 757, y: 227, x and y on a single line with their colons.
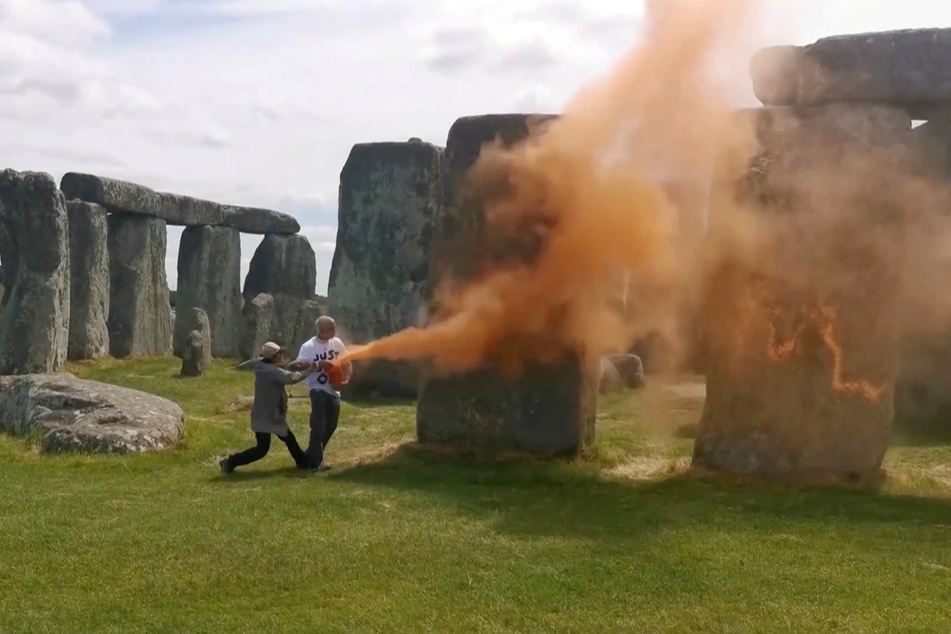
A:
x: 269, y: 411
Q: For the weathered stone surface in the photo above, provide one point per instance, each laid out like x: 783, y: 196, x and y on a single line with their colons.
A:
x: 209, y: 277
x: 196, y: 319
x: 923, y: 393
x: 256, y: 318
x: 195, y: 357
x: 549, y: 409
x: 906, y: 68
x: 389, y: 200
x: 285, y: 268
x: 74, y: 415
x: 304, y: 326
x: 610, y: 380
x: 803, y: 335
x: 89, y: 281
x: 259, y: 221
x: 34, y: 325
x: 129, y: 198
x: 9, y: 258
x: 459, y: 247
x: 140, y: 321
x: 630, y: 369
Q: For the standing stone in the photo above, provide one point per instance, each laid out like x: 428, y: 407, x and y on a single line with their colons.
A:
x: 284, y: 267
x: 923, y: 393
x: 34, y: 325
x: 803, y: 333
x: 905, y: 69
x: 256, y: 318
x: 610, y: 379
x: 630, y: 369
x: 549, y: 409
x: 304, y: 329
x: 196, y: 354
x: 209, y: 277
x: 196, y: 319
x: 140, y: 321
x: 89, y: 281
x: 9, y: 256
x: 389, y: 200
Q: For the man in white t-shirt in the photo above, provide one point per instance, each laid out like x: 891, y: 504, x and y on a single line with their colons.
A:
x: 322, y: 350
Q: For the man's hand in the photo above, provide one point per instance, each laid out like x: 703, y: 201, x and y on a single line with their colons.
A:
x: 299, y: 366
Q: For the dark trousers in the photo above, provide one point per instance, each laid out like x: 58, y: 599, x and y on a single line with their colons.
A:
x: 324, y: 414
x: 264, y: 445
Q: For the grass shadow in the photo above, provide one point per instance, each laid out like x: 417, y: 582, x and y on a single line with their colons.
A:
x: 544, y: 499
x: 239, y: 476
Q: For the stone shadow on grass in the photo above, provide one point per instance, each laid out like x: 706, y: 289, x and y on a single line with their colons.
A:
x: 544, y: 499
x: 924, y: 432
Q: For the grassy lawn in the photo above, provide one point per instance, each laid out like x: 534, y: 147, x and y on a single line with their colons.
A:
x: 397, y: 539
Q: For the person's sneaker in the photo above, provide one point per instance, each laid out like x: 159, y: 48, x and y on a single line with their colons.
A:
x: 324, y: 467
x: 226, y: 467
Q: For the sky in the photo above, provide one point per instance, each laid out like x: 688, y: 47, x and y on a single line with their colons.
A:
x: 258, y: 102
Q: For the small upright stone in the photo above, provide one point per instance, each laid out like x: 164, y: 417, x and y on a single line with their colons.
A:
x: 610, y: 381
x: 630, y: 369
x: 89, y: 287
x: 34, y: 325
x: 140, y: 321
x: 195, y: 357
x: 196, y: 319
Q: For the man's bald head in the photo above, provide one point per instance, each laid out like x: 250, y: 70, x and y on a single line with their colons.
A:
x: 325, y: 328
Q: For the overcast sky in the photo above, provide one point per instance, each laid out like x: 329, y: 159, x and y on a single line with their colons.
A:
x: 258, y: 102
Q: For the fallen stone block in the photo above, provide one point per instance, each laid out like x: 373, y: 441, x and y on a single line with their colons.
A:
x: 74, y: 415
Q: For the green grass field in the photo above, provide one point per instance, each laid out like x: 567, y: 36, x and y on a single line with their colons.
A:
x: 399, y: 539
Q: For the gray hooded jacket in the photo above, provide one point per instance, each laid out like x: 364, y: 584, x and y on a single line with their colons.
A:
x: 269, y: 411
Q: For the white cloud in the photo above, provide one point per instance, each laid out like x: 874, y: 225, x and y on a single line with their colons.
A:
x: 258, y: 102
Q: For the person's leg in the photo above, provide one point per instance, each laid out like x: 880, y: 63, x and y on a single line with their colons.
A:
x: 315, y: 447
x: 248, y: 455
x: 332, y: 416
x: 300, y: 458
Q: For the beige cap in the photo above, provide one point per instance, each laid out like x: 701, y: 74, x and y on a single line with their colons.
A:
x: 270, y: 349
